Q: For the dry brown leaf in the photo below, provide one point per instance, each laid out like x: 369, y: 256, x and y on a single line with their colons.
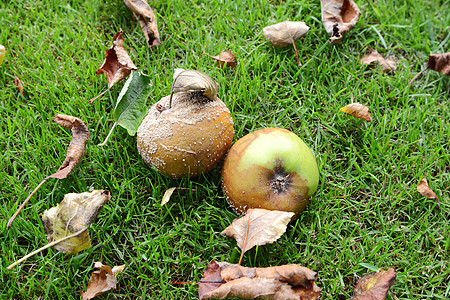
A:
x: 258, y: 227
x: 387, y: 65
x: 285, y: 33
x: 282, y: 282
x: 117, y: 64
x: 73, y: 214
x: 102, y: 280
x: 77, y: 146
x: 225, y: 58
x: 338, y: 17
x: 437, y: 62
x: 374, y: 286
x: 424, y: 189
x: 357, y: 110
x: 75, y: 153
x: 18, y: 84
x: 147, y: 20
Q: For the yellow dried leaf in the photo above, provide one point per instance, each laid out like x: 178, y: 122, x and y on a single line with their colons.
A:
x: 167, y: 195
x: 2, y: 54
x: 73, y: 214
x: 357, y: 110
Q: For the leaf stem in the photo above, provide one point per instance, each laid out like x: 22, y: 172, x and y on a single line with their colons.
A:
x: 10, y: 267
x: 293, y: 44
x: 25, y: 202
x: 418, y: 74
x: 101, y: 94
x: 108, y: 136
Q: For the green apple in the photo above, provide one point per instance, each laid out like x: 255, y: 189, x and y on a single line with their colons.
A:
x: 270, y: 168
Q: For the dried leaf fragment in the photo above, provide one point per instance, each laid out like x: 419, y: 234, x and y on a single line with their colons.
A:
x: 73, y: 214
x: 147, y: 20
x: 424, y: 189
x: 102, y: 280
x: 18, y: 84
x: 167, y: 194
x: 225, y: 58
x: 223, y: 279
x: 75, y: 153
x: 437, y: 62
x: 338, y: 17
x: 387, y: 65
x: 285, y: 33
x: 117, y: 64
x: 258, y: 227
x: 357, y: 110
x: 77, y: 146
x: 374, y: 286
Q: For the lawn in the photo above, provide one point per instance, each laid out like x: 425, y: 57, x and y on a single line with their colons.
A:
x: 367, y: 214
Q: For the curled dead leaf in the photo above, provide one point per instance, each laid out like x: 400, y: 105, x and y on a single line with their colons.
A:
x: 387, y: 65
x: 357, y: 110
x: 338, y: 17
x: 73, y: 214
x: 436, y: 62
x: 285, y: 33
x: 225, y: 58
x: 223, y: 280
x: 147, y: 20
x: 102, y: 280
x: 258, y: 227
x: 75, y: 153
x: 374, y: 286
x: 117, y: 64
x: 424, y: 189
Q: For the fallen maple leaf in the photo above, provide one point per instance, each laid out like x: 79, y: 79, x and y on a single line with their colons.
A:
x: 117, y: 64
x: 147, y: 20
x: 75, y: 153
x: 436, y: 62
x: 225, y: 58
x: 74, y: 213
x: 258, y: 227
x: 387, y: 65
x: 374, y: 286
x: 338, y: 17
x: 357, y: 110
x: 102, y: 280
x: 223, y: 280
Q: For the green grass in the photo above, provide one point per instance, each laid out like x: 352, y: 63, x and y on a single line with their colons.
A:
x: 366, y: 214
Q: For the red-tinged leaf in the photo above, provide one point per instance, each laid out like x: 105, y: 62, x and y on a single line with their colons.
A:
x: 211, y: 279
x: 436, y: 62
x: 374, y: 286
x: 117, y: 64
x: 102, y: 280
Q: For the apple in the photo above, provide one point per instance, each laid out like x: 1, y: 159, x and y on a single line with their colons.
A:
x: 271, y: 168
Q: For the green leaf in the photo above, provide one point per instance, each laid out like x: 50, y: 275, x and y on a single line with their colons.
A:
x: 131, y: 106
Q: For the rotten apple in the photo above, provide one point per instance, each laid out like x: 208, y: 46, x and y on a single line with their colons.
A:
x: 270, y: 168
x: 186, y: 133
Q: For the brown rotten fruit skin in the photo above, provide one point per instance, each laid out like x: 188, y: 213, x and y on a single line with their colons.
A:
x: 270, y: 168
x: 187, y: 139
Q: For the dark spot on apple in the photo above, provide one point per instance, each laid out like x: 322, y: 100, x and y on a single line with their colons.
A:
x: 280, y: 181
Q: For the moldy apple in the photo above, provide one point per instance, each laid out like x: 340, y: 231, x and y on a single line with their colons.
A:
x: 270, y: 168
x: 187, y: 133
